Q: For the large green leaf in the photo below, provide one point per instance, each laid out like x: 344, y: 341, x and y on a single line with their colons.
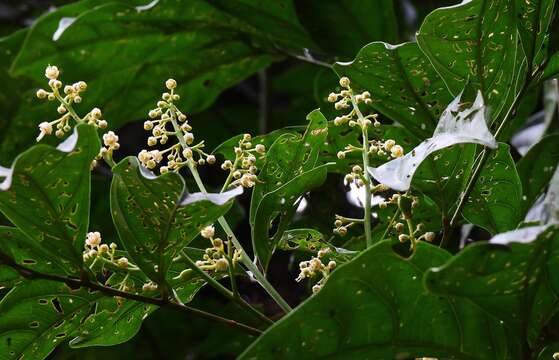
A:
x: 120, y: 50
x: 536, y: 168
x: 476, y: 42
x: 290, y: 155
x: 403, y: 84
x: 23, y: 251
x: 155, y: 217
x: 495, y: 201
x: 375, y: 307
x: 281, y: 203
x: 117, y: 322
x: 358, y: 30
x: 46, y: 195
x: 516, y: 283
x: 275, y: 20
x: 38, y: 315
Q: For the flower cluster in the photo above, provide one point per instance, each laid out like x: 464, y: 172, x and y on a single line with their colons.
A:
x: 66, y: 95
x: 166, y: 120
x: 242, y: 171
x: 216, y: 258
x: 315, y: 267
x: 95, y: 249
x: 406, y: 203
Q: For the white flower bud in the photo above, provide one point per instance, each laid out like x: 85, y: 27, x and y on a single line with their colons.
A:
x: 388, y: 144
x: 110, y: 139
x: 152, y: 141
x: 344, y: 82
x: 332, y: 97
x: 96, y: 113
x: 148, y: 125
x: 187, y: 153
x: 221, y: 265
x: 210, y: 159
x: 102, y: 124
x: 41, y: 93
x: 122, y: 262
x: 171, y: 84
x: 261, y: 149
x: 430, y: 236
x: 188, y: 138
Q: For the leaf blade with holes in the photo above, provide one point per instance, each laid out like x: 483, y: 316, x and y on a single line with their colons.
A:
x: 38, y: 315
x: 289, y: 156
x: 456, y: 126
x: 476, y: 42
x: 379, y: 310
x: 47, y: 196
x: 512, y: 281
x: 403, y: 84
x: 17, y: 246
x: 155, y: 217
x: 495, y: 201
x: 281, y: 202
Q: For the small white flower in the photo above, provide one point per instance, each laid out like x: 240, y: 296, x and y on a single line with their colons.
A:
x: 110, y: 139
x: 93, y: 238
x: 396, y: 151
x: 208, y: 232
x: 52, y: 72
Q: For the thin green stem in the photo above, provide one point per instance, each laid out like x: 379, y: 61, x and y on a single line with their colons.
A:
x: 365, y: 156
x: 244, y: 258
x: 223, y: 290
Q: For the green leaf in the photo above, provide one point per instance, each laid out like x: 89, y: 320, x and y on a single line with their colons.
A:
x: 23, y: 251
x: 515, y: 283
x: 116, y: 323
x: 276, y: 20
x: 39, y: 315
x: 535, y: 169
x: 358, y: 30
x: 534, y: 18
x: 375, y: 307
x: 495, y: 201
x: 552, y: 67
x: 281, y: 203
x: 290, y: 155
x: 155, y: 217
x: 476, y: 42
x: 119, y: 50
x: 403, y: 84
x: 46, y: 195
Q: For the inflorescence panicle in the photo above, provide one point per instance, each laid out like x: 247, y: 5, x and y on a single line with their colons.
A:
x: 216, y: 257
x: 67, y: 96
x: 166, y: 121
x: 315, y: 267
x: 242, y: 170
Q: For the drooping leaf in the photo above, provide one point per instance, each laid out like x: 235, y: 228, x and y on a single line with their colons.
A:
x: 456, y: 126
x: 495, y: 201
x: 403, y: 84
x: 358, y: 30
x: 289, y: 156
x: 155, y: 217
x: 39, y: 315
x: 46, y: 195
x: 375, y: 307
x: 514, y: 281
x: 281, y: 203
x: 535, y: 169
x: 476, y: 42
